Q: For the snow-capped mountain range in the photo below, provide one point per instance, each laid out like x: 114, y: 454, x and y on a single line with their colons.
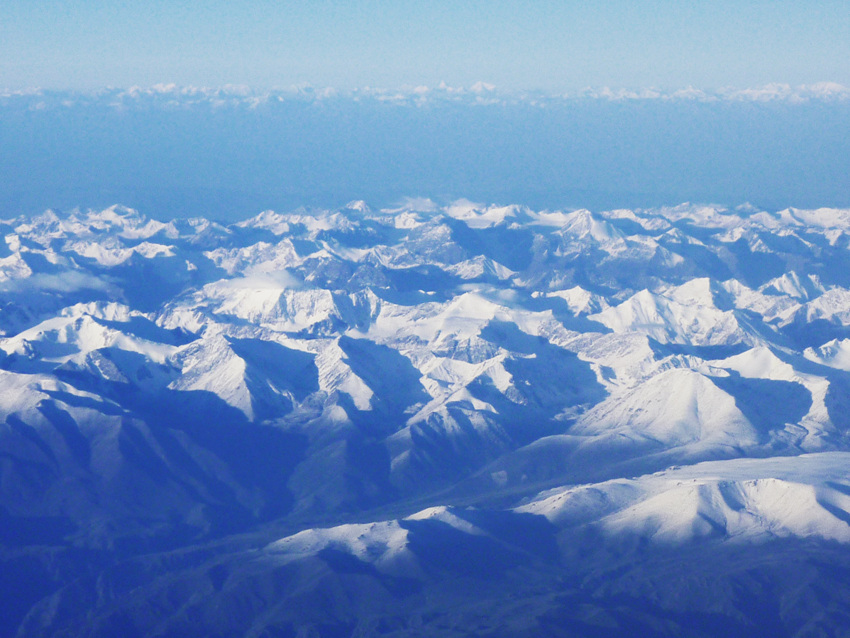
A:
x: 341, y: 420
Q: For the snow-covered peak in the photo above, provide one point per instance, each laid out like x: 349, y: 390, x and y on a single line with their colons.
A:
x: 734, y: 501
x: 480, y: 216
x: 581, y: 301
x: 268, y: 220
x: 834, y: 353
x: 582, y: 224
x: 675, y: 407
x: 792, y: 285
x: 688, y: 316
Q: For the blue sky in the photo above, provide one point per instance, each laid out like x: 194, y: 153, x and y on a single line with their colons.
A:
x: 545, y: 45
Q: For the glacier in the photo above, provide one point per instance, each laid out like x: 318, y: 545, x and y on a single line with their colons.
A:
x: 460, y: 419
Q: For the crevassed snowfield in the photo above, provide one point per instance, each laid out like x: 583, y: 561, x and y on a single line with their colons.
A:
x: 428, y: 420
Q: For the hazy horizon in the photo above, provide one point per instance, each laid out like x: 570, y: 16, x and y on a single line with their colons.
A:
x: 227, y: 154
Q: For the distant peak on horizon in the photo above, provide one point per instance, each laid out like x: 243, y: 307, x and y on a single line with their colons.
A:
x: 477, y: 93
